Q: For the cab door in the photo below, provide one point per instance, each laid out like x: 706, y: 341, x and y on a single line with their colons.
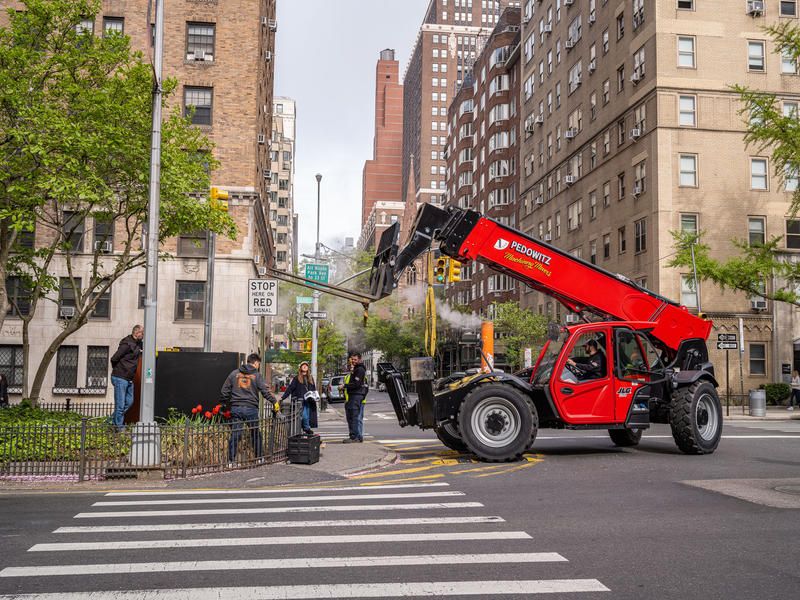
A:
x: 636, y: 362
x: 585, y: 398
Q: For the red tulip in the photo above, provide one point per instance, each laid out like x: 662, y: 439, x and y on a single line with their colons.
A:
x: 227, y: 414
x: 208, y: 414
x: 199, y: 408
x: 194, y: 411
x: 216, y: 409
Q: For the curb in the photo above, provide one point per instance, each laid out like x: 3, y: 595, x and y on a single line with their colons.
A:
x: 388, y: 459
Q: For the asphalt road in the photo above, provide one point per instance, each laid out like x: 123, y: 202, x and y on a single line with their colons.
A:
x: 578, y: 517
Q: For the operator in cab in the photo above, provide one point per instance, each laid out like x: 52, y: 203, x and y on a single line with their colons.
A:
x: 595, y: 365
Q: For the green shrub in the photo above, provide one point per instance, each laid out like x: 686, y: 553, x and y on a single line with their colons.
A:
x: 776, y: 392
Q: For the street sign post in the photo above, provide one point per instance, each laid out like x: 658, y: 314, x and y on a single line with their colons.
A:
x: 317, y: 272
x: 319, y: 314
x: 262, y: 297
x: 727, y: 341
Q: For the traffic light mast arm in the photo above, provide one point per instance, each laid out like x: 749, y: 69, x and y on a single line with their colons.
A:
x: 328, y: 288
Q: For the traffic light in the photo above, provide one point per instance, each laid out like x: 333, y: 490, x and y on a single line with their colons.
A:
x: 454, y: 271
x: 440, y: 272
x: 219, y: 199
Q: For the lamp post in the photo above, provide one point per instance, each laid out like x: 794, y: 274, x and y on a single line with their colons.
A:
x: 315, y: 322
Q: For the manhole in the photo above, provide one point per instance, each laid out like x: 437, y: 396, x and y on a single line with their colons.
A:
x: 794, y: 490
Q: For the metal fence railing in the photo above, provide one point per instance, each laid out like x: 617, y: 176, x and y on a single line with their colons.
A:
x: 94, y: 449
x: 87, y: 409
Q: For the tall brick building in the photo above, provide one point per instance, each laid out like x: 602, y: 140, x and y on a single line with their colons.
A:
x: 381, y: 202
x: 631, y: 131
x: 481, y: 153
x: 222, y: 56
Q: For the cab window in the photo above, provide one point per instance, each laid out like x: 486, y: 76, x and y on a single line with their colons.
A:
x: 587, y: 360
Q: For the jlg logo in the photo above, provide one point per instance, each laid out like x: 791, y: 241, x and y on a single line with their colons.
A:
x: 501, y: 244
x: 624, y: 391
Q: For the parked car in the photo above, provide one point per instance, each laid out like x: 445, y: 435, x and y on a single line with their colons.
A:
x: 324, y: 386
x: 335, y: 391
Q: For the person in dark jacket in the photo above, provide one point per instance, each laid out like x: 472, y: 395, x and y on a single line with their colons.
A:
x: 298, y: 390
x: 3, y: 391
x: 240, y: 391
x: 355, y: 398
x: 124, y: 363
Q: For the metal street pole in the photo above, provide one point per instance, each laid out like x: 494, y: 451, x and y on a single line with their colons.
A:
x: 315, y: 322
x: 696, y: 287
x: 209, y: 307
x: 148, y: 387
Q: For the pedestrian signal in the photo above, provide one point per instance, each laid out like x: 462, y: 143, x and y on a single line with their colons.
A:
x: 454, y: 271
x: 440, y: 272
x: 219, y: 199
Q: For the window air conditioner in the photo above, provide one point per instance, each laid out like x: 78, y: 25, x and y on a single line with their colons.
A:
x: 539, y: 200
x: 262, y: 139
x: 208, y: 57
x: 637, y: 189
x: 200, y: 55
x: 570, y: 179
x: 547, y: 237
x: 592, y: 18
x: 104, y: 247
x: 529, y: 123
x: 262, y: 271
x: 257, y: 258
x: 592, y: 65
x: 539, y: 119
x: 273, y: 24
x: 96, y: 382
x: 571, y: 132
x: 635, y: 78
x: 547, y: 28
x: 568, y: 2
x: 758, y: 303
x: 755, y: 8
x: 267, y: 174
x: 636, y: 133
x: 66, y: 312
x: 268, y: 55
x: 569, y: 44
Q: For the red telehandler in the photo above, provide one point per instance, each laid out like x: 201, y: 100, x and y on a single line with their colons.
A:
x: 635, y: 357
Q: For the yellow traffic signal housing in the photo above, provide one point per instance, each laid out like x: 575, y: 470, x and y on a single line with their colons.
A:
x: 440, y: 272
x: 219, y: 199
x: 453, y: 271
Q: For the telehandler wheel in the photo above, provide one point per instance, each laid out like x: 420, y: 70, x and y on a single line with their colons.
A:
x: 448, y: 435
x: 625, y: 437
x: 497, y: 423
x: 696, y: 418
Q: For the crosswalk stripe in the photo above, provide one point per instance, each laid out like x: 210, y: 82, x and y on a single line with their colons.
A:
x: 449, y: 536
x: 352, y: 488
x: 276, y: 509
x: 279, y: 524
x: 183, y: 502
x: 283, y: 563
x: 341, y: 590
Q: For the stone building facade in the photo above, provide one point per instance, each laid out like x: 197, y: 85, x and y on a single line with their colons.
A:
x: 631, y: 131
x: 222, y: 55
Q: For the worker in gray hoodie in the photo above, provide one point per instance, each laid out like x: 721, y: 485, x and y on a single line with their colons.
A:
x: 240, y: 391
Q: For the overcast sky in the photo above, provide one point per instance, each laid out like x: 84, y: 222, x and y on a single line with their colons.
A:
x: 325, y: 55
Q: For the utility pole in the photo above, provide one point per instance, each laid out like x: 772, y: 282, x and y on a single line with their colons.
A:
x: 148, y: 388
x: 208, y: 313
x: 315, y: 322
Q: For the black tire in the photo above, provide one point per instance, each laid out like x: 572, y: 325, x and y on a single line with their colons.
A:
x: 625, y: 438
x: 448, y: 435
x: 497, y: 422
x: 696, y: 418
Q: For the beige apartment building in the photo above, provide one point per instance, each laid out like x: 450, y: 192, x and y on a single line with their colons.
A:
x: 222, y: 55
x: 631, y: 131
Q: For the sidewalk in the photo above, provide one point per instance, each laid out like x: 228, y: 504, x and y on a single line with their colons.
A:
x: 336, y: 463
x: 774, y: 413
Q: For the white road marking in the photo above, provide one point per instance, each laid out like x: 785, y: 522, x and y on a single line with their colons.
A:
x: 351, y: 488
x: 400, y: 442
x: 282, y: 541
x: 278, y: 524
x: 186, y: 501
x: 276, y: 509
x: 317, y: 562
x: 340, y: 590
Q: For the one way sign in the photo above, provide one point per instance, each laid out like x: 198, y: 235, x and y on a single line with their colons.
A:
x: 319, y: 315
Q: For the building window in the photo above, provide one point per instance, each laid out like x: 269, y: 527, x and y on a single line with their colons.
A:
x: 193, y: 244
x: 197, y: 104
x: 200, y: 41
x: 689, y: 224
x: 640, y: 235
x: 788, y: 63
x: 621, y: 241
x: 685, y: 4
x: 606, y: 91
x: 756, y: 231
x: 190, y: 300
x: 113, y: 25
x: 72, y: 230
x: 758, y: 173
x: 592, y: 205
x: 790, y: 178
x: 11, y: 365
x: 103, y: 233
x: 606, y: 194
x: 793, y: 234
x: 85, y: 26
x: 688, y: 291
x: 620, y: 186
x: 67, y: 367
x: 97, y: 367
x: 142, y: 295
x: 607, y: 246
x: 605, y: 41
x: 755, y: 56
x: 788, y: 8
x: 640, y: 178
x: 620, y: 26
x: 688, y: 112
x: 593, y: 252
x: 620, y: 78
x: 688, y: 170
x: 758, y: 359
x: 67, y: 292
x: 102, y: 310
x: 19, y: 297
x: 686, y: 52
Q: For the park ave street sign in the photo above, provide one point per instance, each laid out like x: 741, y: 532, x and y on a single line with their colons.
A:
x: 262, y: 297
x: 320, y: 314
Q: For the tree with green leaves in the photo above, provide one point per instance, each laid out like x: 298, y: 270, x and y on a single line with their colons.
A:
x: 76, y: 119
x: 769, y: 131
x: 521, y: 328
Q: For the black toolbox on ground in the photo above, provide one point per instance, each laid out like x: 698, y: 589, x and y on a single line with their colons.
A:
x: 304, y: 449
